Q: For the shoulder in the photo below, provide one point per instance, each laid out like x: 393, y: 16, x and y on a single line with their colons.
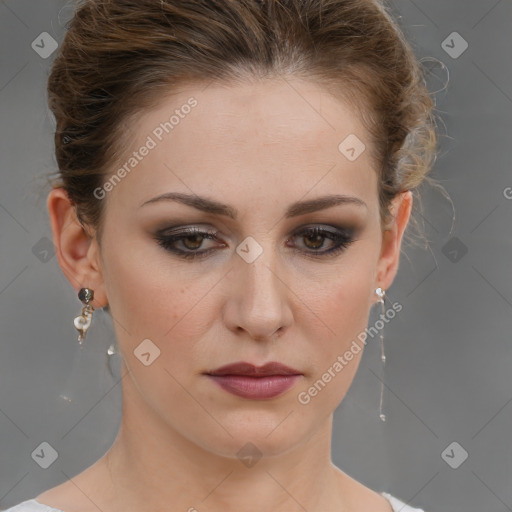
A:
x: 399, y: 505
x: 31, y: 506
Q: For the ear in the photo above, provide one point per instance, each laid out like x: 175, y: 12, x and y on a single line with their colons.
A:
x: 77, y: 251
x: 387, y: 267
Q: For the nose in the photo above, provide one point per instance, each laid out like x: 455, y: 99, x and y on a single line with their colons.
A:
x: 259, y: 297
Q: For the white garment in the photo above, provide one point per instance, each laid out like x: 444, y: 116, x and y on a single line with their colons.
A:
x: 34, y: 506
x: 398, y: 505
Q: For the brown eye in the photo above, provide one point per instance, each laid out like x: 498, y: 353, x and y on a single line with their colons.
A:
x: 187, y: 242
x: 314, y: 241
x: 314, y: 238
x: 191, y: 239
x: 196, y: 244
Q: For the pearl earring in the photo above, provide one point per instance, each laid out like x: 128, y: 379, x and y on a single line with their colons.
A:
x: 83, y: 321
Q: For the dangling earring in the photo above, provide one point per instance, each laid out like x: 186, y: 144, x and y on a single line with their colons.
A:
x: 381, y: 293
x: 83, y: 321
x: 112, y: 353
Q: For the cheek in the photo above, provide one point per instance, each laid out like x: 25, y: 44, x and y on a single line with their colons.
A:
x: 349, y: 307
x: 343, y: 303
x: 152, y: 302
x: 343, y: 307
x: 151, y: 299
x: 143, y: 304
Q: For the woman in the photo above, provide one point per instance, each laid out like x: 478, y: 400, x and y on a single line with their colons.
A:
x: 236, y: 177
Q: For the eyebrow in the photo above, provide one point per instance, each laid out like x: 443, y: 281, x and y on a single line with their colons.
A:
x: 295, y: 209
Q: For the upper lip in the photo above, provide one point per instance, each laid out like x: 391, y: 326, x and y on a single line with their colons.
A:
x: 243, y: 368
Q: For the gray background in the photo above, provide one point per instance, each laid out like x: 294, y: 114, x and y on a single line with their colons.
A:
x: 449, y: 352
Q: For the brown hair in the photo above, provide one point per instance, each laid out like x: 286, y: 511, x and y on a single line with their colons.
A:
x: 120, y: 57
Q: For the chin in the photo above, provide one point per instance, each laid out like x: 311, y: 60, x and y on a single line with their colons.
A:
x: 257, y: 434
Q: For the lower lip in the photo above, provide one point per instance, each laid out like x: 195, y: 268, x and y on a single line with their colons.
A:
x: 256, y: 388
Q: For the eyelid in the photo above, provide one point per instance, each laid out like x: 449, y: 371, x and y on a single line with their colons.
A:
x: 349, y: 229
x: 343, y: 236
x: 325, y: 227
x: 183, y: 230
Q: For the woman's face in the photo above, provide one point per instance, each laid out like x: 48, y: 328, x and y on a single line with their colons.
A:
x: 255, y: 159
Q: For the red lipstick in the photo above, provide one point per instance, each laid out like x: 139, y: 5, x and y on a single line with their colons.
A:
x: 255, y: 382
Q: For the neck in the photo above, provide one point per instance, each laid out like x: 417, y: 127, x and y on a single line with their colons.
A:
x: 152, y: 467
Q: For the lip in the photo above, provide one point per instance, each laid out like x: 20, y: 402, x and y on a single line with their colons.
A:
x: 250, y: 370
x: 255, y: 382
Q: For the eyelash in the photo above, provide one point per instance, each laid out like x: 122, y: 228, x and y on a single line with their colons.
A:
x: 343, y: 239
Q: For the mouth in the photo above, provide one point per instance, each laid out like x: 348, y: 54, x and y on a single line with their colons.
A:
x: 255, y: 382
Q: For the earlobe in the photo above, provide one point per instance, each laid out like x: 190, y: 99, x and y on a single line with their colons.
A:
x: 75, y: 248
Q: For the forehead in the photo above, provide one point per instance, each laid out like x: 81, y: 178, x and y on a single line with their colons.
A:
x: 283, y: 108
x: 275, y: 135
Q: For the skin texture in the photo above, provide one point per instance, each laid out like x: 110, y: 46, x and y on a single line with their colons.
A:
x: 257, y: 146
